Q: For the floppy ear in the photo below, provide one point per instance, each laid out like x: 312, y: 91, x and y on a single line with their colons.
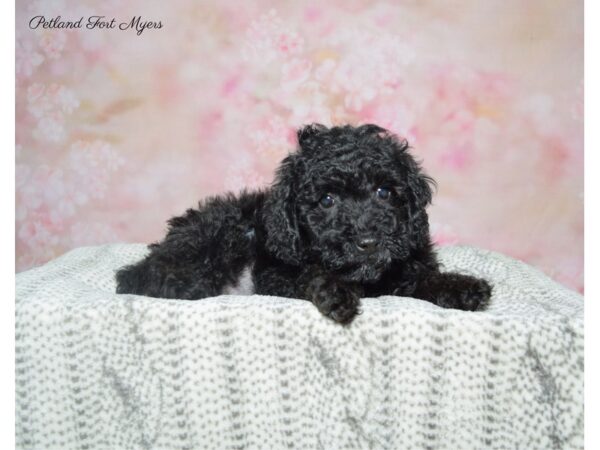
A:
x: 418, y: 189
x: 279, y: 215
x: 418, y: 183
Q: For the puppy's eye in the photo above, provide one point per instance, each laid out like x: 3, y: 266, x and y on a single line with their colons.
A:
x: 327, y: 201
x: 384, y: 193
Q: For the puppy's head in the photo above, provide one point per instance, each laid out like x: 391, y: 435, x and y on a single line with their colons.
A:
x: 352, y: 199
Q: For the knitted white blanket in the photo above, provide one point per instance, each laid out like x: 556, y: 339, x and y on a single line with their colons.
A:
x: 100, y: 370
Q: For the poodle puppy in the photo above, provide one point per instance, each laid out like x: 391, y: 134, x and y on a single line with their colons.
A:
x: 344, y: 219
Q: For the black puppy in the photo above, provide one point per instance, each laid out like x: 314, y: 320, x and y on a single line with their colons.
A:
x: 344, y: 219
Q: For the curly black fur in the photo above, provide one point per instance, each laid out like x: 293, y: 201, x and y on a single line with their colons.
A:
x: 344, y: 219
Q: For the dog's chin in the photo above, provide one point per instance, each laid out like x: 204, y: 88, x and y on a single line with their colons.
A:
x: 368, y: 270
x: 361, y: 274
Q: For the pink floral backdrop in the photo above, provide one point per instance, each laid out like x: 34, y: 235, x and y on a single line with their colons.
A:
x: 116, y: 131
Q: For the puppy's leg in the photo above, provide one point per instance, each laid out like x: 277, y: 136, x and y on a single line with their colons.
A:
x: 453, y: 290
x: 204, y: 250
x: 335, y: 299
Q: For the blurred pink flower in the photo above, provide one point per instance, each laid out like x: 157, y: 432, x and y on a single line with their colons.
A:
x: 456, y: 157
x: 312, y: 13
x: 270, y: 138
x: 268, y: 38
x: 35, y: 92
x: 310, y: 105
x: 289, y: 43
x: 237, y: 179
x: 53, y: 42
x: 372, y: 64
x: 37, y: 235
x: 92, y: 163
x: 231, y: 84
x: 295, y: 72
x: 48, y: 104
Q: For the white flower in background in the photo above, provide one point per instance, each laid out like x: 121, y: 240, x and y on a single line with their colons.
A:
x: 35, y: 187
x: 50, y: 128
x: 370, y: 64
x: 65, y: 200
x: 49, y: 104
x: 35, y: 92
x: 66, y: 100
x: 42, y: 99
x: 26, y: 58
x: 307, y: 104
x: 268, y: 38
x: 270, y: 139
x: 241, y: 174
x: 539, y: 108
x: 49, y: 198
x: 53, y: 43
x: 36, y: 234
x: 87, y: 156
x: 38, y: 103
x: 51, y: 184
x: 239, y: 179
x: 91, y: 165
x: 324, y: 72
x: 294, y: 73
x: 109, y: 157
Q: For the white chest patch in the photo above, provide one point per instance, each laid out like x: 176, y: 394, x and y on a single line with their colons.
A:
x: 243, y: 286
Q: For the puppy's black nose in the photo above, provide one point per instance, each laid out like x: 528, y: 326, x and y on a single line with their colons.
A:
x: 367, y: 245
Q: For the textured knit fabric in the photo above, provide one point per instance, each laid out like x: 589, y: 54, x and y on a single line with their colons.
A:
x: 100, y: 370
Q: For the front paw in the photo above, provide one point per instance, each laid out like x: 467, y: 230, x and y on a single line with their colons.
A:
x: 466, y: 293
x: 338, y: 301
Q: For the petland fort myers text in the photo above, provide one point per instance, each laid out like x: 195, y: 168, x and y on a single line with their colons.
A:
x: 94, y: 23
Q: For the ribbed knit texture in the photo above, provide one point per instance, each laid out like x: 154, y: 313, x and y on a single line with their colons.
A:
x: 100, y: 370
